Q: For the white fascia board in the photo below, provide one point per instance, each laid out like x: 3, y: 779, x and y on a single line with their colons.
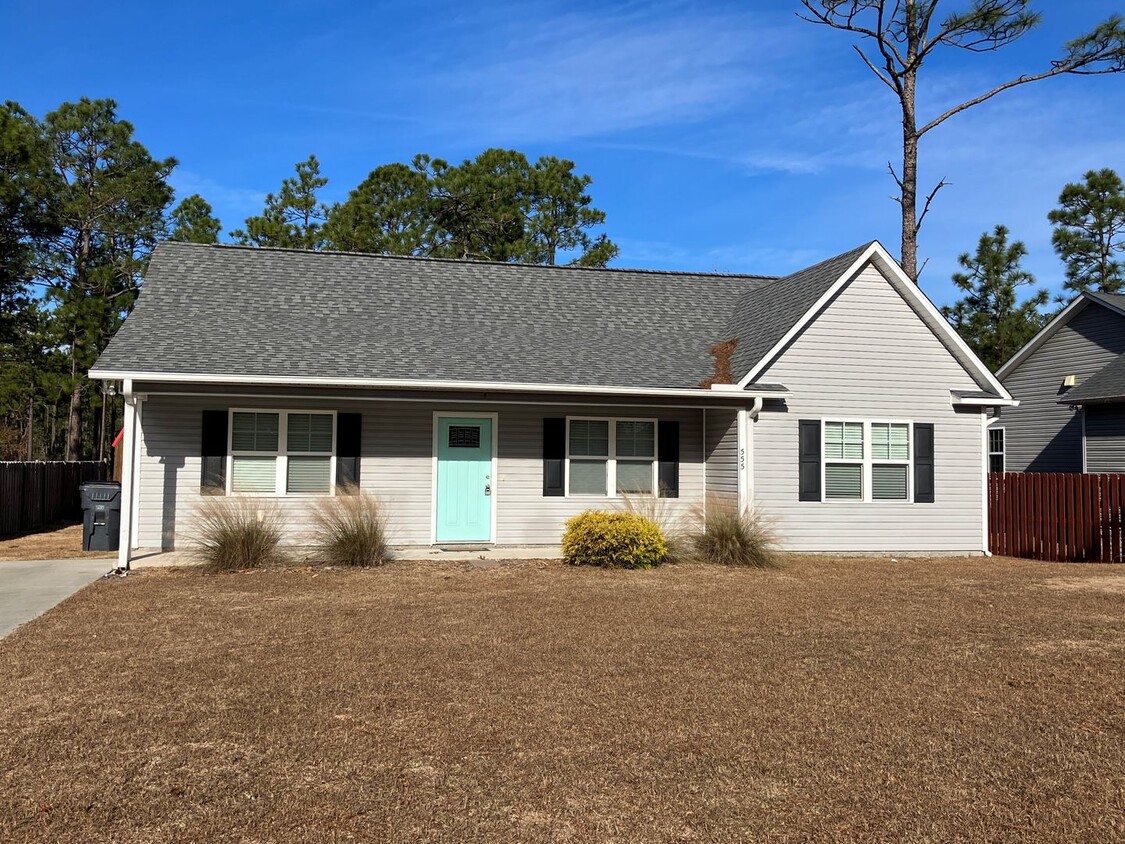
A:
x: 910, y: 291
x: 1044, y: 334
x: 983, y: 402
x: 390, y: 383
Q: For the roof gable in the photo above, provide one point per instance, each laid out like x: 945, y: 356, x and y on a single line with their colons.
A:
x: 766, y: 312
x: 849, y: 266
x: 1113, y: 302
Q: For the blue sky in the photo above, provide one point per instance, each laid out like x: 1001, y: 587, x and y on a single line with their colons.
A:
x: 720, y: 136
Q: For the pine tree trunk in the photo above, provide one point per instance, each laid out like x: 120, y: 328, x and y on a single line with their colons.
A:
x: 74, y: 415
x: 30, y: 427
x: 909, y: 258
x: 99, y: 430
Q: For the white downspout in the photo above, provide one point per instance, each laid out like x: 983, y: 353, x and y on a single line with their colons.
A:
x: 128, y: 447
x: 985, y: 421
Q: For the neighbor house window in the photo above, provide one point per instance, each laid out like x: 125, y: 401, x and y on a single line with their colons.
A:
x: 866, y: 461
x: 996, y: 449
x: 281, y: 452
x: 611, y: 454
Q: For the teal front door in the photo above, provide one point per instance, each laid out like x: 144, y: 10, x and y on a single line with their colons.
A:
x: 464, y: 479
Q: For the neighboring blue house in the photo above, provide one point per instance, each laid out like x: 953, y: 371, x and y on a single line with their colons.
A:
x: 487, y: 403
x: 1070, y: 384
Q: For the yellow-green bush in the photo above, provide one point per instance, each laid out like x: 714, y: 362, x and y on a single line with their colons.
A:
x: 613, y: 540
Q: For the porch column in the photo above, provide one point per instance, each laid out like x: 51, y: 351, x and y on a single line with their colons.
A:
x: 128, y: 447
x: 745, y: 460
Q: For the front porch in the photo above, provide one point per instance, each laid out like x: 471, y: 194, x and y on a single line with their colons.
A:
x: 500, y: 472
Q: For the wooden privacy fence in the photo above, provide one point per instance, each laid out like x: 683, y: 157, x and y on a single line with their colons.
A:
x: 1059, y: 517
x: 37, y: 494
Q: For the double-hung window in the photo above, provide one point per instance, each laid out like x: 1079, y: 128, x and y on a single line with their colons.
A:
x: 996, y: 449
x: 611, y: 454
x: 867, y: 461
x: 281, y: 452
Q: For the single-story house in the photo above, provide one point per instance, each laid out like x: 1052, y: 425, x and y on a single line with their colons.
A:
x: 1069, y: 380
x: 486, y: 403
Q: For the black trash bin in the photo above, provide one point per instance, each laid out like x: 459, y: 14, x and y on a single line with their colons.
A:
x: 101, y: 515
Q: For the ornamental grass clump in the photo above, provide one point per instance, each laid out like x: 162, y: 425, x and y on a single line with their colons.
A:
x: 613, y: 540
x: 666, y: 515
x: 351, y: 529
x: 727, y: 535
x: 238, y: 533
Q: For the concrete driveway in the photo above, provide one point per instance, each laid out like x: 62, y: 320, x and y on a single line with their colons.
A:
x: 30, y: 588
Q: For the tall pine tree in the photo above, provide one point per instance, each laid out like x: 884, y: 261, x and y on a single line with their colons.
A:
x: 1089, y: 232
x: 193, y: 221
x: 107, y: 197
x: 990, y: 317
x: 293, y: 217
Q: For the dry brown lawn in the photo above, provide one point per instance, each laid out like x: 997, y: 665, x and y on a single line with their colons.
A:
x: 844, y: 700
x: 55, y: 542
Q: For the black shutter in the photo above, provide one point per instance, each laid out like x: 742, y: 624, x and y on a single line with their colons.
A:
x: 809, y: 459
x: 668, y: 457
x: 213, y: 451
x: 554, y: 456
x: 349, y: 434
x: 923, y: 463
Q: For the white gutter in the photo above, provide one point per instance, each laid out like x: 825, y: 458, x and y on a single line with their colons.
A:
x: 403, y: 384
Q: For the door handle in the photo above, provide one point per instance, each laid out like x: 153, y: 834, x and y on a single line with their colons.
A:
x: 488, y: 489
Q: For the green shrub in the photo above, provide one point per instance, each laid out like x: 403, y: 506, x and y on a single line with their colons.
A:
x: 238, y: 533
x: 666, y: 515
x: 726, y: 535
x: 613, y: 540
x: 351, y: 529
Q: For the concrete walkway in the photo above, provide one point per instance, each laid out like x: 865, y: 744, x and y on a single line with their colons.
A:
x: 30, y: 588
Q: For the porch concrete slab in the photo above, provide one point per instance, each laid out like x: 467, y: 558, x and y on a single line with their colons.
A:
x: 515, y: 552
x: 28, y: 588
x: 154, y: 558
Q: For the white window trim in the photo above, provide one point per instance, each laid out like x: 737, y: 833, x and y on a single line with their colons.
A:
x: 1003, y: 452
x: 866, y: 486
x: 282, y: 454
x: 611, y: 458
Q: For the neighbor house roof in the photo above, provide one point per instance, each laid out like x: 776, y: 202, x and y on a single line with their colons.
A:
x: 242, y: 312
x: 1107, y: 384
x: 1112, y: 301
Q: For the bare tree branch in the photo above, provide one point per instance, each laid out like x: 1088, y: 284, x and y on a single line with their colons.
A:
x: 1023, y: 80
x: 894, y: 86
x: 926, y: 205
x: 894, y: 175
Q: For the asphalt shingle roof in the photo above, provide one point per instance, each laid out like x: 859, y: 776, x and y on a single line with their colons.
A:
x: 1107, y: 384
x: 229, y: 310
x: 1114, y: 300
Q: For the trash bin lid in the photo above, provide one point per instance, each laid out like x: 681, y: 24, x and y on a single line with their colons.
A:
x: 101, y: 490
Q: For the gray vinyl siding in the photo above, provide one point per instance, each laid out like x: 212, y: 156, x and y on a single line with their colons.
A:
x: 1105, y: 438
x: 868, y: 356
x: 1042, y: 435
x: 722, y: 453
x: 396, y: 465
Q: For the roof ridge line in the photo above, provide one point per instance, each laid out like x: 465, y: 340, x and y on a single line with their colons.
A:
x: 463, y: 261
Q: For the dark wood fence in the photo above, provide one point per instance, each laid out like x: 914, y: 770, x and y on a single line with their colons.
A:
x: 37, y: 494
x: 1060, y: 517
